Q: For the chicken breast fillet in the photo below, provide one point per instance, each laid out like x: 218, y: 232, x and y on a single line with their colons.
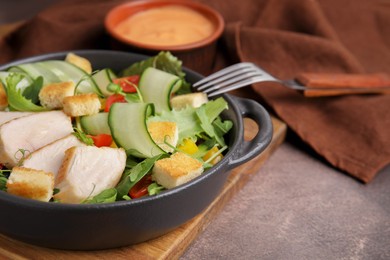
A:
x: 49, y: 157
x: 88, y: 170
x: 8, y: 116
x: 31, y: 132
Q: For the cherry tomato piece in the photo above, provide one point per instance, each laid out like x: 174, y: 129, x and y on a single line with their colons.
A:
x: 127, y: 83
x: 113, y: 99
x: 101, y: 139
x: 141, y: 188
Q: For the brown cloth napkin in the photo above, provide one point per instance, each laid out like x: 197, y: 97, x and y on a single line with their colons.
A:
x: 284, y: 37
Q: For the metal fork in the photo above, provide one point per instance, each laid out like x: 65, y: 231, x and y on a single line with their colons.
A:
x: 315, y: 84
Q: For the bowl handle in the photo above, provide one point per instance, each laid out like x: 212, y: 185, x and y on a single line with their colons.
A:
x: 250, y: 149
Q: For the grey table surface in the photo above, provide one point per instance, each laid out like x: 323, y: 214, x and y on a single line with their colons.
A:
x: 298, y: 207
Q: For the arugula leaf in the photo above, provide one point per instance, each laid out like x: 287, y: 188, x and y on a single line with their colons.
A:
x: 16, y: 100
x: 132, y: 176
x: 32, y: 91
x: 154, y: 189
x: 107, y: 195
x: 133, y: 98
x: 3, y: 180
x: 164, y: 61
x: 82, y: 137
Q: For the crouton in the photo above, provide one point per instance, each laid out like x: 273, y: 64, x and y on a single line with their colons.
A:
x: 52, y: 95
x: 30, y: 183
x: 176, y: 170
x: 81, y: 105
x: 80, y: 62
x: 3, y: 97
x: 164, y: 132
x: 192, y: 99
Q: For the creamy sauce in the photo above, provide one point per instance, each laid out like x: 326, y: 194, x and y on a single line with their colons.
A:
x: 166, y: 26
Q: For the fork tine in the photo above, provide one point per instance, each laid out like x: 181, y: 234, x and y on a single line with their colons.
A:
x: 222, y: 72
x: 231, y: 80
x: 236, y: 86
x: 229, y: 77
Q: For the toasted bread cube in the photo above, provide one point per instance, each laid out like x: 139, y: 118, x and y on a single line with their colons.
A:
x: 176, y: 170
x: 3, y: 98
x: 80, y: 62
x: 192, y: 99
x: 81, y: 105
x: 31, y: 183
x: 52, y: 95
x: 164, y: 132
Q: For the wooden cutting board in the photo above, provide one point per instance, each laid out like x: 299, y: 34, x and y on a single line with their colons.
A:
x: 173, y: 244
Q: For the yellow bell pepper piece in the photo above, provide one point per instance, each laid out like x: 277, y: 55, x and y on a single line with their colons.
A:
x: 211, y: 153
x: 188, y: 146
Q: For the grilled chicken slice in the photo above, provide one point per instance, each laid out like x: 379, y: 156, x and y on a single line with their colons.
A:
x: 8, y: 116
x: 49, y: 157
x: 88, y: 170
x: 31, y: 132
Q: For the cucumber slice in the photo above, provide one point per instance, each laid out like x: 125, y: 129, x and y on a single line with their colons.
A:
x: 67, y: 71
x: 57, y: 71
x: 34, y: 70
x: 156, y: 86
x: 95, y: 124
x: 102, y: 79
x: 127, y: 122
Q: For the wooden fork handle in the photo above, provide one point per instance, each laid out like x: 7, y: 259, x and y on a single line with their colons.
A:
x: 344, y: 84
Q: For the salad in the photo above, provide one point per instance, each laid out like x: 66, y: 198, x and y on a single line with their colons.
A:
x: 69, y: 134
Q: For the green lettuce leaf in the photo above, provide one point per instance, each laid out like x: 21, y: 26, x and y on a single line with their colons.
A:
x: 194, y: 122
x: 164, y: 61
x: 32, y: 91
x: 16, y: 100
x: 186, y: 120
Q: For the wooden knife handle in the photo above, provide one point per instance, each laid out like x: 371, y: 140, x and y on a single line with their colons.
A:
x: 344, y: 84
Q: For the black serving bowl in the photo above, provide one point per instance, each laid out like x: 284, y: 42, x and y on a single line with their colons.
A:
x: 110, y: 225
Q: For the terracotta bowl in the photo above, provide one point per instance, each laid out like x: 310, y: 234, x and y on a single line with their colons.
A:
x: 198, y: 55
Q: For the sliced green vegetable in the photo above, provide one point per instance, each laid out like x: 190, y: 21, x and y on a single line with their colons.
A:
x: 127, y: 122
x: 103, y: 78
x: 156, y: 86
x: 163, y: 61
x: 95, y: 124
